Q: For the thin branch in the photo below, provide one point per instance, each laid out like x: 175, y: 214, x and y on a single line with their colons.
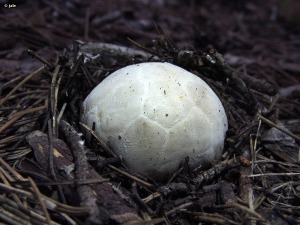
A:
x: 269, y: 122
x: 274, y: 174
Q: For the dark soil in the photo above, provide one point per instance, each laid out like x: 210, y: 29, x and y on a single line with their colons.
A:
x: 249, y: 53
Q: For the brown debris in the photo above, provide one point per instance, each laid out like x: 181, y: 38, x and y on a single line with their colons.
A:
x: 52, y: 58
x: 88, y: 194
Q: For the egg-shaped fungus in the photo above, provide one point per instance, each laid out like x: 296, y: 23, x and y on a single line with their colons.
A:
x: 154, y: 115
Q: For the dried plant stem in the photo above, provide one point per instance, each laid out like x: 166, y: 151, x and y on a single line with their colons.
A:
x: 269, y: 122
x: 65, y: 182
x: 18, y: 115
x: 50, y: 203
x: 86, y: 193
x: 274, y: 174
x: 211, y: 219
x: 149, y: 222
x: 136, y: 179
x: 11, y: 218
x: 101, y: 142
x: 53, y: 100
x: 51, y: 150
x: 41, y: 69
x: 180, y: 207
x: 142, y: 47
x: 25, y: 210
x: 61, y: 112
x: 5, y: 181
x: 151, y: 197
x: 11, y: 170
x: 111, y: 49
x: 214, y: 172
x: 51, y: 159
x: 40, y: 199
x: 33, y: 54
x: 247, y: 210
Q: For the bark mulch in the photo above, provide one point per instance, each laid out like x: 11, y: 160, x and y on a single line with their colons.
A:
x: 53, y: 53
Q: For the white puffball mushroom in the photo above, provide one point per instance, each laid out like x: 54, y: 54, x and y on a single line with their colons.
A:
x: 154, y: 115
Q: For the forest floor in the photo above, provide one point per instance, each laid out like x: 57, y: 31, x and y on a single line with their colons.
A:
x: 249, y: 53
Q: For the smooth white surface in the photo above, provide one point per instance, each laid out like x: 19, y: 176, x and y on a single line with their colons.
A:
x: 154, y: 115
